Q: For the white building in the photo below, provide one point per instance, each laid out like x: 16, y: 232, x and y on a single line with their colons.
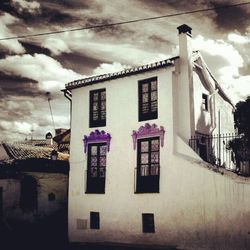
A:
x: 133, y: 176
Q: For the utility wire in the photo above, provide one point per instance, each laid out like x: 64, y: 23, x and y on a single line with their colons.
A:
x: 121, y: 23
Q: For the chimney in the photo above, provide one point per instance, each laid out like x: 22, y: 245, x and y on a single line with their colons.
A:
x: 49, y: 138
x: 184, y: 91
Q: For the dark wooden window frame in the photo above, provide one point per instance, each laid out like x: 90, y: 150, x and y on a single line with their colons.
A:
x: 148, y: 183
x: 150, y: 115
x: 96, y: 185
x: 100, y: 122
x: 148, y: 224
x: 94, y: 220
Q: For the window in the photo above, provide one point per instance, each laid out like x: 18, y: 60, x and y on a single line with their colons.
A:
x: 97, y: 104
x: 205, y: 102
x: 94, y: 220
x: 148, y: 225
x: 148, y: 167
x: 148, y: 104
x: 96, y: 171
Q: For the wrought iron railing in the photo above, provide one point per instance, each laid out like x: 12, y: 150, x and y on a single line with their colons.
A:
x: 215, y: 149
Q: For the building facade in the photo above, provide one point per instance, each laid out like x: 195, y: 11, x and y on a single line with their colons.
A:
x: 133, y: 176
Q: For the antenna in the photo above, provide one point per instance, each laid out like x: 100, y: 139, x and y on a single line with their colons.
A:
x: 52, y: 118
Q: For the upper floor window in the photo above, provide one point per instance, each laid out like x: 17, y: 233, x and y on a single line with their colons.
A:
x: 96, y: 171
x: 205, y: 102
x: 97, y: 104
x: 148, y: 100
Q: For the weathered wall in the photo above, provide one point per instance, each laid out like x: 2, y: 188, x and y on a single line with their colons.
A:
x: 46, y: 183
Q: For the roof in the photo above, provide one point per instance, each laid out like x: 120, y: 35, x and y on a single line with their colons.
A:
x: 127, y: 72
x: 40, y: 143
x: 17, y: 151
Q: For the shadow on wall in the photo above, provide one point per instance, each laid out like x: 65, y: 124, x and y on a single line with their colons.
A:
x: 202, y: 126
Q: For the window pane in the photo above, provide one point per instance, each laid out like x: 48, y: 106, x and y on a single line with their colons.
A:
x: 154, y: 169
x: 103, y: 105
x: 154, y: 157
x: 155, y: 145
x: 103, y: 150
x: 93, y: 161
x: 145, y: 108
x: 154, y: 106
x: 103, y: 161
x: 154, y: 85
x: 144, y: 170
x: 145, y: 97
x: 145, y: 87
x: 95, y: 106
x: 103, y: 95
x: 93, y: 150
x: 95, y: 97
x: 144, y: 146
x: 93, y: 171
x: 102, y: 173
x: 153, y: 96
x: 144, y: 158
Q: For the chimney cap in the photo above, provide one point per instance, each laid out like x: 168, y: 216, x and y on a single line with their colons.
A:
x: 184, y: 29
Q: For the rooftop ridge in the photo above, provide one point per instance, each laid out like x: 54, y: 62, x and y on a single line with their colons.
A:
x: 133, y: 70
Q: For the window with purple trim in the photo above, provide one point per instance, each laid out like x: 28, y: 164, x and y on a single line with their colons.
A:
x: 148, y: 99
x: 96, y: 172
x: 148, y: 165
x: 97, y: 105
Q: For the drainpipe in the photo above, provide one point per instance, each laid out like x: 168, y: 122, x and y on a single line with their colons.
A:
x: 67, y: 93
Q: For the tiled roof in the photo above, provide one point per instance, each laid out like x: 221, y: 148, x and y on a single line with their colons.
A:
x: 126, y: 72
x: 40, y: 143
x: 23, y: 151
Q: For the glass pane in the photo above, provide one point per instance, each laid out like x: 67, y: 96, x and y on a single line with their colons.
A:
x: 102, y: 172
x: 103, y: 150
x: 153, y: 96
x: 154, y: 169
x: 154, y: 85
x: 103, y: 105
x: 95, y: 106
x: 93, y: 161
x: 154, y: 106
x: 103, y: 115
x: 144, y: 146
x: 95, y: 97
x: 94, y: 150
x: 103, y: 95
x: 155, y: 145
x: 145, y: 108
x: 145, y: 170
x: 95, y: 115
x: 103, y: 161
x: 155, y: 157
x: 144, y: 87
x: 145, y: 97
x: 144, y: 158
x: 93, y: 172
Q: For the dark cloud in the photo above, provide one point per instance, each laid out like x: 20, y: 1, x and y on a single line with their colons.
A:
x: 231, y: 19
x: 80, y: 63
x: 18, y: 86
x: 33, y: 48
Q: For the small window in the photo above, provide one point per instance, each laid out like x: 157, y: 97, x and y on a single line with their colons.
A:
x: 94, y: 220
x: 148, y: 99
x: 205, y: 102
x: 97, y: 105
x: 148, y: 224
x: 51, y: 197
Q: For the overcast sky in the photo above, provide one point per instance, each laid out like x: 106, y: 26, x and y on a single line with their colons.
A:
x: 30, y: 67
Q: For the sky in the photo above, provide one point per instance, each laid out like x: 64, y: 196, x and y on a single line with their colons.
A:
x: 32, y: 66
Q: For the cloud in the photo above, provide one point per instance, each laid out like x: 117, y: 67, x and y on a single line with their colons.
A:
x: 9, y: 45
x: 236, y: 38
x: 26, y: 6
x: 56, y: 46
x: 105, y: 68
x: 48, y: 72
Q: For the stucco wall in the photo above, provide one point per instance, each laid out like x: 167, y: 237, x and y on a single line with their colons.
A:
x: 46, y: 183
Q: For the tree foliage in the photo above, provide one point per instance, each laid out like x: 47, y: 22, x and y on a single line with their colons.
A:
x: 242, y: 119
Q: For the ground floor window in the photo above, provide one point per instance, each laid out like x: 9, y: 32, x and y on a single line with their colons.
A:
x: 94, y: 220
x: 148, y: 224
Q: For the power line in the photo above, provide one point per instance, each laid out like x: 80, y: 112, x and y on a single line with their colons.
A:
x: 121, y: 23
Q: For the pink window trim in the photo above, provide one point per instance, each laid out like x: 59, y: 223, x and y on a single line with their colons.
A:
x: 148, y: 131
